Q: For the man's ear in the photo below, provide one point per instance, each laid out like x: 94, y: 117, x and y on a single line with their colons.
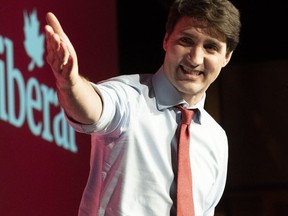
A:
x: 227, y: 58
x: 165, y: 41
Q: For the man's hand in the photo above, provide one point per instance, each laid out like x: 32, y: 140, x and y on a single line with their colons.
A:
x: 61, y: 55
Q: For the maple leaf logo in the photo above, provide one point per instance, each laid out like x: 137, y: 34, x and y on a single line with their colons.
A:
x: 34, y: 42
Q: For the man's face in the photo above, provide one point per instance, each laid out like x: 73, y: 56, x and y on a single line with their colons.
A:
x: 193, y: 59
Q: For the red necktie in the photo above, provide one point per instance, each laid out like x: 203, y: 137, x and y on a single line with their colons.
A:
x: 185, y: 205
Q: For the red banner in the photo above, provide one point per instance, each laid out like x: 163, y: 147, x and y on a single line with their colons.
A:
x: 44, y: 163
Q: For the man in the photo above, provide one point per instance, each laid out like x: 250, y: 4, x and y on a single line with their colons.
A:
x: 133, y: 119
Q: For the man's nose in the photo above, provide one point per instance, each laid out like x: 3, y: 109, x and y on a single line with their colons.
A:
x: 196, y: 56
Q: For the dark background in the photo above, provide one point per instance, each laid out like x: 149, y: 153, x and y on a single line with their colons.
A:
x: 141, y: 28
x: 249, y: 99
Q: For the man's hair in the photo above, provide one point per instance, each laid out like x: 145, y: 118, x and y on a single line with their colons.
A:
x: 220, y: 17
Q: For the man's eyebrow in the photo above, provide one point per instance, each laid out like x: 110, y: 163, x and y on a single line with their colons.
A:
x: 209, y: 39
x: 188, y: 34
x: 213, y: 42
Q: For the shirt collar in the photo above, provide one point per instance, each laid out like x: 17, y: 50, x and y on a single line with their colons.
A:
x: 167, y: 95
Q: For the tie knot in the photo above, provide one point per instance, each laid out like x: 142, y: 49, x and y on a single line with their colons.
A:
x: 187, y: 115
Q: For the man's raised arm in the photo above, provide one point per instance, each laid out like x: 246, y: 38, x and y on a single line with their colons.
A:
x: 76, y: 95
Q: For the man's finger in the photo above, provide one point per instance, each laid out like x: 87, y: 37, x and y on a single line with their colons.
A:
x: 54, y: 23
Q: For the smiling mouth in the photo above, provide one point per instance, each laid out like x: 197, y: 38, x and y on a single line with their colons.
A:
x: 190, y: 71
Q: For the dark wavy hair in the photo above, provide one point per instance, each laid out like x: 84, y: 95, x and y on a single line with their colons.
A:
x: 220, y: 17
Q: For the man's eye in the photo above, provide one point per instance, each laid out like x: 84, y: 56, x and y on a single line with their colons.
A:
x: 212, y: 47
x: 186, y: 41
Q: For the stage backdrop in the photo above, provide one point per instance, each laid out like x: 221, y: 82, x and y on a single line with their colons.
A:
x: 44, y: 163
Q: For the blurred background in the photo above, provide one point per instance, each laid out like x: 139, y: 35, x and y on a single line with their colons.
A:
x: 44, y: 164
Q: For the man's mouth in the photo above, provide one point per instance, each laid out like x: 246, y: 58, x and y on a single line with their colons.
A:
x: 190, y: 71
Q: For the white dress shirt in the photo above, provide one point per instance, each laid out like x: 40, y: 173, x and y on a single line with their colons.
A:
x: 134, y: 145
